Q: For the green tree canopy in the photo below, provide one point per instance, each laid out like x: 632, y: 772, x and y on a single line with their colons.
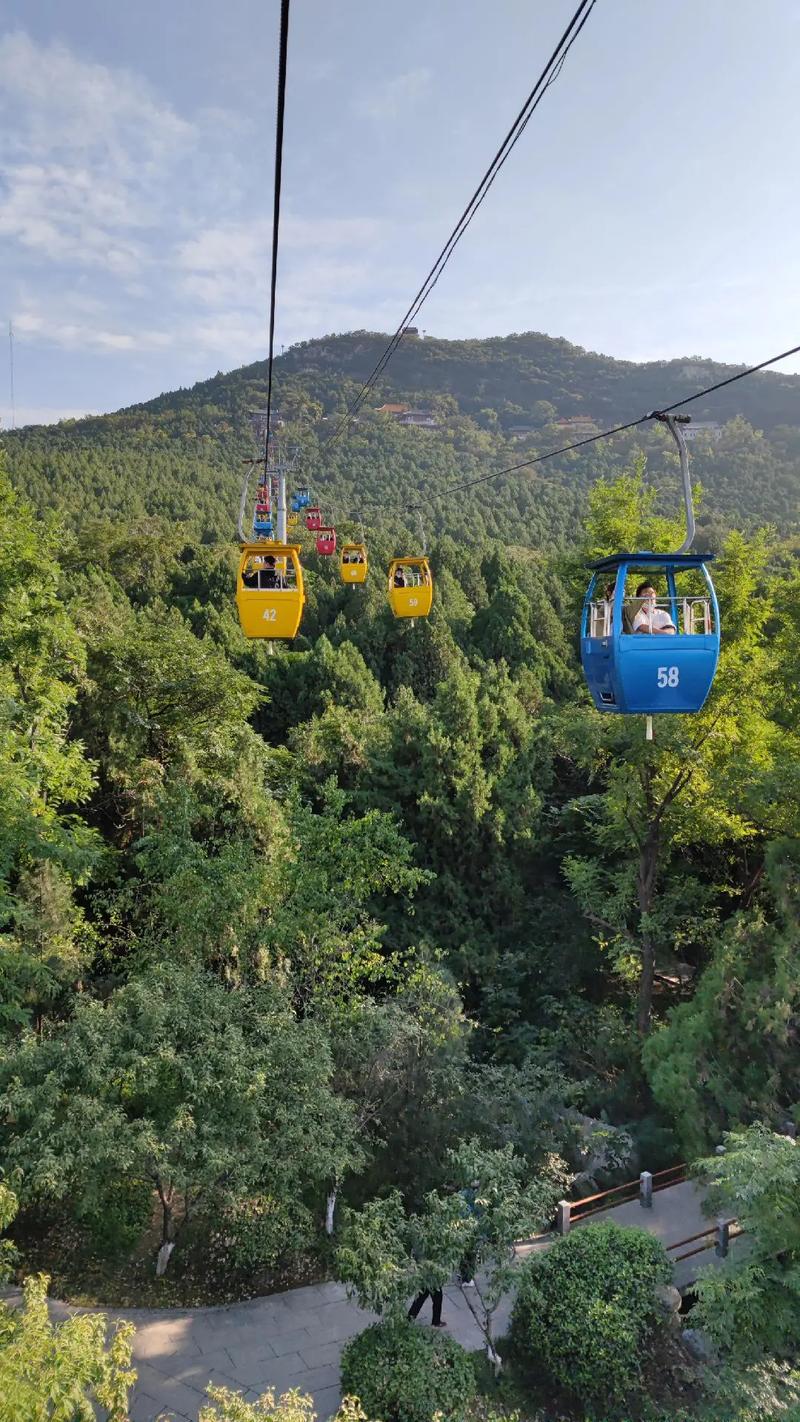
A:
x: 201, y: 1092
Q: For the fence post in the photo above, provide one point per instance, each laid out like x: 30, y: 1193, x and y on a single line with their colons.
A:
x: 563, y: 1213
x: 723, y: 1238
x: 646, y: 1190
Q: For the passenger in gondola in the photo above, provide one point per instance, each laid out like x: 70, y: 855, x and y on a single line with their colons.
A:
x: 399, y: 578
x: 250, y: 576
x: 650, y: 618
x: 269, y: 574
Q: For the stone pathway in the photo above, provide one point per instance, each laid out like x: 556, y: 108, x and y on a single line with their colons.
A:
x: 296, y: 1339
x: 283, y: 1341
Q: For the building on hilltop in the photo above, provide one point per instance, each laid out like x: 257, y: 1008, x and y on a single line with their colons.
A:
x: 578, y: 425
x: 703, y: 427
x: 423, y: 419
x: 394, y: 410
x: 258, y: 422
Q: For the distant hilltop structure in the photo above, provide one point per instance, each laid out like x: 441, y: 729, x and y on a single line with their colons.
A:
x: 422, y: 418
x: 258, y: 423
x: 404, y: 415
x: 578, y: 425
x: 703, y: 427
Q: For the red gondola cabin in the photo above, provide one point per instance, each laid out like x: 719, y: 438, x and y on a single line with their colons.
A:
x: 326, y: 541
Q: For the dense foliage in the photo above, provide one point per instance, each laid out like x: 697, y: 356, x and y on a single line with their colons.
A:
x: 586, y: 1312
x: 61, y: 1372
x: 294, y: 1406
x: 404, y: 1373
x: 751, y: 1306
x: 392, y: 907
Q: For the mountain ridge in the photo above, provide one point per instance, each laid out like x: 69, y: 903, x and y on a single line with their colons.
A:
x: 178, y: 456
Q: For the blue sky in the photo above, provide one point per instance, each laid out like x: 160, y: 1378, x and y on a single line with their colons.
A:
x: 650, y: 210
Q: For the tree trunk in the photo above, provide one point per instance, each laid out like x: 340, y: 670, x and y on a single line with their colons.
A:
x: 645, y: 1007
x: 163, y: 1258
x: 491, y: 1352
x: 646, y: 887
x: 167, y: 1231
x: 330, y: 1208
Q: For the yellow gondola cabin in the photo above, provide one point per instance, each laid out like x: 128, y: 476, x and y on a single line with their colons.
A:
x: 269, y: 589
x: 353, y: 563
x: 410, y: 587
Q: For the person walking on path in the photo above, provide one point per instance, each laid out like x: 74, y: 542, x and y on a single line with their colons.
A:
x: 432, y: 1272
x: 437, y: 1298
x: 466, y: 1269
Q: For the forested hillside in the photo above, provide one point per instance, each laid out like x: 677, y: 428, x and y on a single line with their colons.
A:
x: 178, y: 456
x: 297, y: 943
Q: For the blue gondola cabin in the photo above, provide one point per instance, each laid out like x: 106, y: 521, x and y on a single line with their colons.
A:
x: 650, y: 633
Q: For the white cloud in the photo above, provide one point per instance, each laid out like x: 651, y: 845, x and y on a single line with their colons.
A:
x: 105, y: 189
x: 67, y: 215
x: 85, y: 154
x: 232, y: 259
x: 53, y: 97
x: 323, y: 265
x: 393, y: 98
x: 83, y: 333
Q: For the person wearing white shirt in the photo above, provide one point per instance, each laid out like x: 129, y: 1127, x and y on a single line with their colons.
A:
x: 650, y: 618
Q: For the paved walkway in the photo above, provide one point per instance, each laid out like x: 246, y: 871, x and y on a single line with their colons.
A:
x: 676, y: 1213
x: 283, y: 1341
x: 296, y: 1339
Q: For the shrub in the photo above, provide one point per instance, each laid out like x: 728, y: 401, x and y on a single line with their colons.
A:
x: 404, y: 1373
x: 118, y: 1219
x: 294, y: 1406
x: 262, y: 1229
x: 59, y: 1370
x: 586, y: 1310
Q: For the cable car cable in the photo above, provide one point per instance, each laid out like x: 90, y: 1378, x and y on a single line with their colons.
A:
x: 606, y: 434
x: 730, y: 381
x: 548, y: 76
x: 276, y: 208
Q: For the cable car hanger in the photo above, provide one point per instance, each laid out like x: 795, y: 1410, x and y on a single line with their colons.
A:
x: 673, y: 423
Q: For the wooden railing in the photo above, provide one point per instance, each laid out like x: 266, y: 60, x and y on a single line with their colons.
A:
x: 622, y: 1194
x: 718, y: 1236
x: 673, y: 1175
x: 617, y: 1195
x: 572, y: 1212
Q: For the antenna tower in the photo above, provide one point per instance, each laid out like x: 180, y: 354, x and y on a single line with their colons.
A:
x: 11, y: 371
